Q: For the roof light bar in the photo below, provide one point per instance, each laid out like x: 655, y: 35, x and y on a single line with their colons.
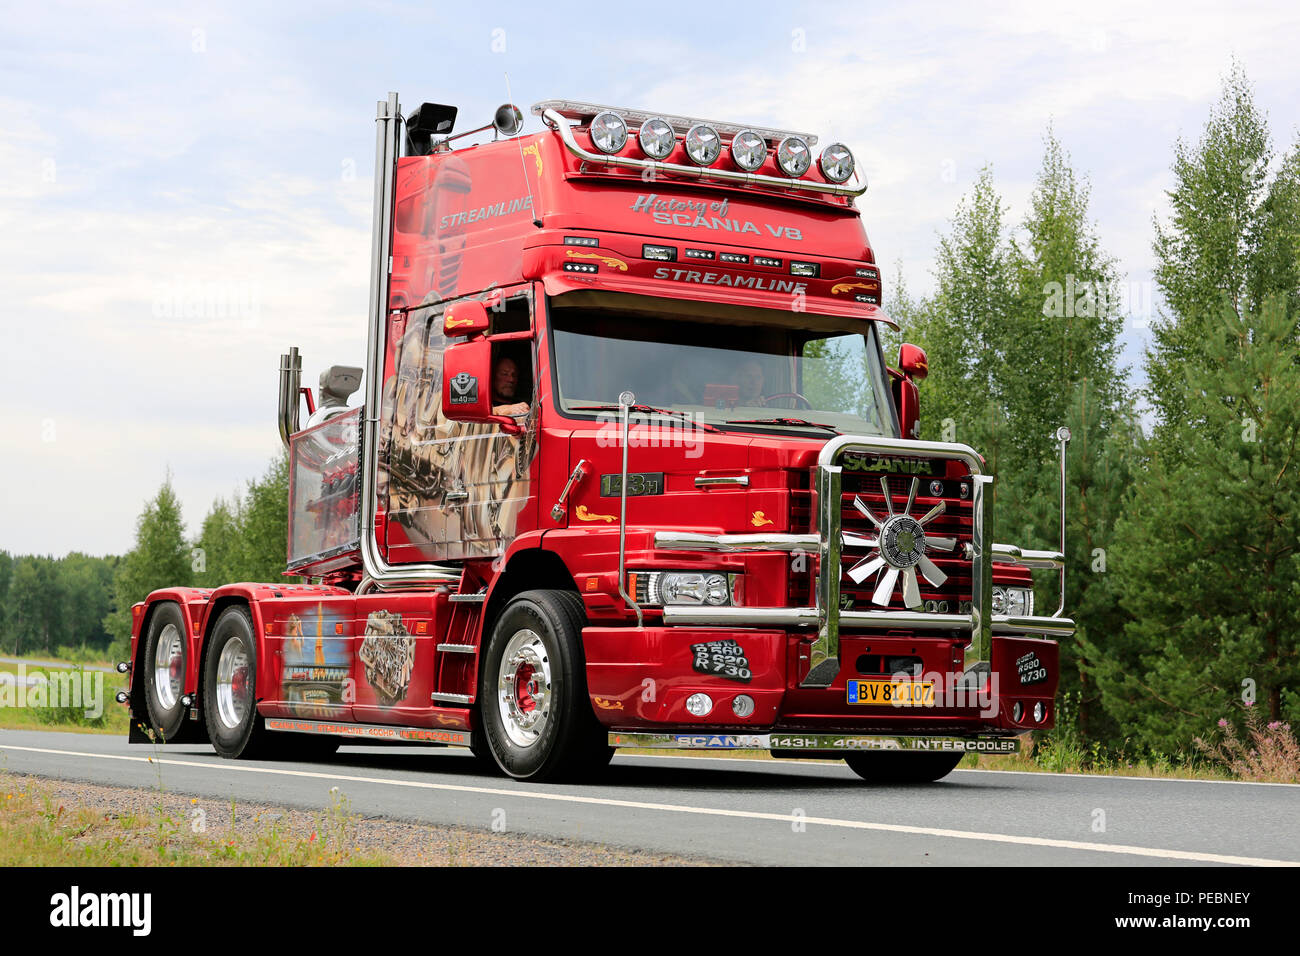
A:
x: 583, y: 112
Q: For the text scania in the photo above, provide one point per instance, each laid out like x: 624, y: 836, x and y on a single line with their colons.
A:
x: 74, y: 909
x: 740, y: 282
x: 701, y: 214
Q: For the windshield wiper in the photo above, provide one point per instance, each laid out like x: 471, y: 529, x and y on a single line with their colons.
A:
x: 789, y: 422
x: 650, y: 409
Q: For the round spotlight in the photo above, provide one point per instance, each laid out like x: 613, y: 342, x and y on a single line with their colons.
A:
x: 743, y: 705
x: 1040, y: 712
x: 123, y: 667
x: 657, y: 138
x: 836, y: 163
x: 748, y: 150
x: 699, y: 704
x: 608, y: 132
x: 703, y: 144
x: 1017, y: 712
x: 793, y: 156
x: 120, y: 697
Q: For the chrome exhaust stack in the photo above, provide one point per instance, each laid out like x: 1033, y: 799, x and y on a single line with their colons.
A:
x: 290, y: 383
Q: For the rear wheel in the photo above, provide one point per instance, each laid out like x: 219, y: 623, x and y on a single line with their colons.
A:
x: 889, y: 767
x: 536, y: 716
x: 166, y: 660
x: 230, y: 688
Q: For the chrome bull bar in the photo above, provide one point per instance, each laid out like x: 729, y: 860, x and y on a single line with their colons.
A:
x: 826, y: 616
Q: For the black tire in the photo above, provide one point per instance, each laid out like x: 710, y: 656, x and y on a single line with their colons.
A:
x: 889, y: 767
x: 163, y: 704
x: 234, y: 726
x: 566, y: 741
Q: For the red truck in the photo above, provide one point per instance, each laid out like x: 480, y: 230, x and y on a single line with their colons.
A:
x: 631, y: 471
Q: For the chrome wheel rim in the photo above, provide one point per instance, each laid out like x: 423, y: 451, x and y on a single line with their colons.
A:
x: 524, y: 688
x: 168, y: 667
x: 234, y: 681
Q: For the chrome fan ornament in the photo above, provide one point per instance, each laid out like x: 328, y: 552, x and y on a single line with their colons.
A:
x: 901, y: 545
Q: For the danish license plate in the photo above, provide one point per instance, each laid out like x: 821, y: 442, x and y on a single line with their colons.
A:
x: 894, y: 693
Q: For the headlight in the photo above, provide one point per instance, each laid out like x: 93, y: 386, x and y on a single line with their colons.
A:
x: 748, y: 150
x: 710, y: 588
x: 608, y: 132
x: 1014, y: 602
x: 836, y: 163
x: 703, y: 144
x: 793, y: 156
x: 657, y: 138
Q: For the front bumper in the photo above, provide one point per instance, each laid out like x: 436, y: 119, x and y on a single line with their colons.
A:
x: 817, y: 743
x: 824, y: 658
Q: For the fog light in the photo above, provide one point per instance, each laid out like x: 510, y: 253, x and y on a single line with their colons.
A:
x: 1040, y: 712
x: 657, y: 138
x: 703, y: 144
x: 187, y: 699
x: 608, y: 132
x: 1017, y: 712
x: 699, y: 705
x: 123, y: 667
x: 748, y: 150
x: 742, y: 706
x: 793, y: 156
x: 836, y: 162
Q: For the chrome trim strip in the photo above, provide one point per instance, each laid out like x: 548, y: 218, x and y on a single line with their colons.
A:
x: 467, y: 598
x: 1010, y: 554
x: 625, y: 402
x: 810, y: 617
x: 720, y: 481
x: 296, y: 725
x: 450, y: 698
x: 383, y: 575
x: 561, y: 125
x: 728, y: 739
x: 456, y: 648
x: 1049, y: 626
x: 689, y: 541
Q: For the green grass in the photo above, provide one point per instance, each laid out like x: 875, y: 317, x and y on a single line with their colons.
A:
x: 37, y: 829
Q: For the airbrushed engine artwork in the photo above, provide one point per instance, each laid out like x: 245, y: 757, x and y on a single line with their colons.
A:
x: 388, y: 654
x: 450, y: 490
x: 316, y: 665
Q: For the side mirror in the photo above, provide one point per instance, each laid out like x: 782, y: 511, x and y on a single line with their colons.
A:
x: 464, y: 319
x: 467, y: 384
x: 914, y: 367
x: 913, y: 362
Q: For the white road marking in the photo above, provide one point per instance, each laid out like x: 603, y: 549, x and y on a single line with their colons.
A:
x: 705, y: 811
x: 760, y: 762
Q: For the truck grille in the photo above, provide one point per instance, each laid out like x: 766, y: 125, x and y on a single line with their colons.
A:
x: 952, y: 597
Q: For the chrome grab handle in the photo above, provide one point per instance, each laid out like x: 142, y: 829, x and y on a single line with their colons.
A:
x: 559, y: 509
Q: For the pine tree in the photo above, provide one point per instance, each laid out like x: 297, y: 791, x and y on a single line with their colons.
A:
x: 1233, y: 240
x: 1209, y: 549
x: 161, y: 558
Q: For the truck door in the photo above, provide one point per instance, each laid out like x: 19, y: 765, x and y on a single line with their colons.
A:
x: 456, y: 490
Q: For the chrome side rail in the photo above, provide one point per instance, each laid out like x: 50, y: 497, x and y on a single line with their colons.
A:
x: 557, y: 122
x: 730, y: 739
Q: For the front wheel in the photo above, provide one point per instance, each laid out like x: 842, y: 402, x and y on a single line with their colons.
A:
x: 536, y: 716
x: 889, y: 767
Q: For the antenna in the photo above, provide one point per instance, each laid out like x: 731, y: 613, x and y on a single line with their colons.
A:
x: 531, y: 204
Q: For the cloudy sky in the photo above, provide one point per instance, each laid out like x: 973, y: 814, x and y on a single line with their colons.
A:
x: 185, y: 190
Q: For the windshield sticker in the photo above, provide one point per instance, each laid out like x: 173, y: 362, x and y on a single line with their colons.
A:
x: 740, y: 282
x: 702, y: 214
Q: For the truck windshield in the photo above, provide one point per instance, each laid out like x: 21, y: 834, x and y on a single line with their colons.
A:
x: 724, y: 366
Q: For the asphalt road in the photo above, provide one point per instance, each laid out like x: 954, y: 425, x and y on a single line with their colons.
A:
x: 778, y: 812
